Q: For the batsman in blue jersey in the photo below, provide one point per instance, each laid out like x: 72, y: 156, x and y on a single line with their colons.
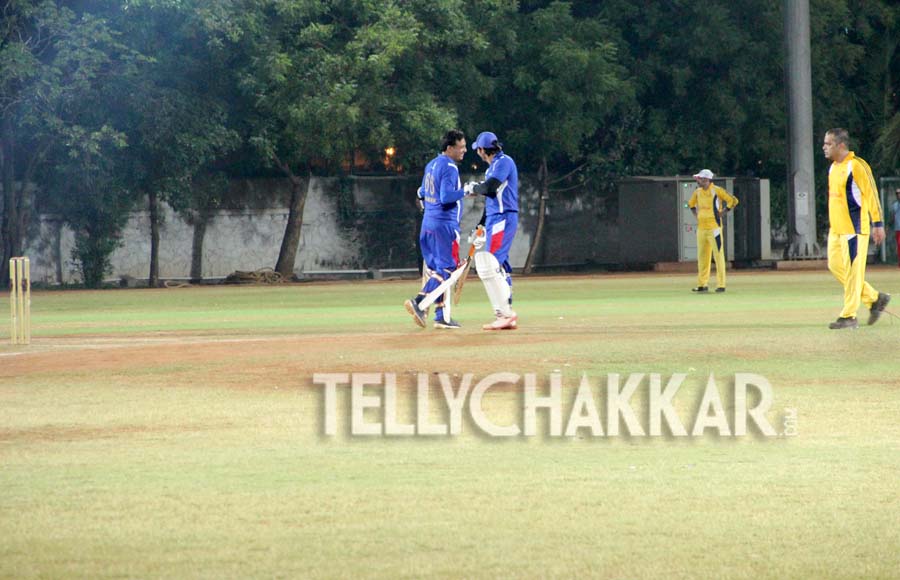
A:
x: 500, y: 189
x: 441, y: 193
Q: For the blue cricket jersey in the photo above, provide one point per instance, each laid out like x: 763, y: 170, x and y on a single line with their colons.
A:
x: 503, y: 169
x: 441, y: 190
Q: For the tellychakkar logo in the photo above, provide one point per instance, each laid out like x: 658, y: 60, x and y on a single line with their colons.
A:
x: 506, y: 404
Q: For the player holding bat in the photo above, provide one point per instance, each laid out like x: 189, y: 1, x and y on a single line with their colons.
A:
x: 441, y: 193
x: 500, y: 189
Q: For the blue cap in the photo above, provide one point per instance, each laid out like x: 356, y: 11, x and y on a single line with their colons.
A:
x: 486, y: 140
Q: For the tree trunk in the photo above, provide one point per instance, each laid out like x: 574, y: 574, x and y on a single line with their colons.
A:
x: 153, y: 280
x: 200, y: 219
x: 10, y: 223
x: 291, y: 240
x: 57, y: 251
x: 890, y: 48
x: 542, y: 210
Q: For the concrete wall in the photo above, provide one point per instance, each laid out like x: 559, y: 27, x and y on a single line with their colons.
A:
x: 357, y: 223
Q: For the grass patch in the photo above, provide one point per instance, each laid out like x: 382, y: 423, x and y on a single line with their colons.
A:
x: 177, y: 433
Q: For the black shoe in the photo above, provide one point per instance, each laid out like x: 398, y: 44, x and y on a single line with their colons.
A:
x: 720, y: 290
x: 878, y: 307
x: 443, y: 324
x: 700, y: 289
x: 842, y: 323
x: 413, y: 308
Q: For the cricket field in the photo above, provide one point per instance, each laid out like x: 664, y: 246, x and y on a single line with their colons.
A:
x: 180, y: 433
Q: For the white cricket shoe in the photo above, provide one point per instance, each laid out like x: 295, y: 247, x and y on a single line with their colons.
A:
x: 510, y: 322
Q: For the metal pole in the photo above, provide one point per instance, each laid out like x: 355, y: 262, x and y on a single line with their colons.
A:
x: 884, y: 217
x: 801, y: 184
x: 13, y: 311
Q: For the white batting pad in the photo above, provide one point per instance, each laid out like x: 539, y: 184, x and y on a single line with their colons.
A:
x: 447, y: 301
x: 493, y: 276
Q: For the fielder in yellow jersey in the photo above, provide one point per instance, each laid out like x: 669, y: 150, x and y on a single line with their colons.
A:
x: 709, y: 203
x: 852, y: 204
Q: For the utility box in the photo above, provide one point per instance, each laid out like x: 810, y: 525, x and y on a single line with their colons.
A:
x: 656, y: 224
x: 751, y: 221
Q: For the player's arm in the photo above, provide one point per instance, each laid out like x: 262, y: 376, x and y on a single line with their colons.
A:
x: 420, y: 198
x: 447, y: 190
x: 862, y: 176
x: 487, y: 188
x: 729, y: 200
x: 692, y: 203
x: 499, y: 174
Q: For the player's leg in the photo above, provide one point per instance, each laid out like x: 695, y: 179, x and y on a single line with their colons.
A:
x: 704, y: 257
x: 431, y: 276
x: 856, y: 266
x: 877, y: 306
x: 868, y: 295
x: 502, y: 244
x: 838, y: 258
x: 493, y: 276
x: 897, y: 238
x: 844, y: 261
x: 841, y: 250
x: 494, y: 270
x: 865, y: 293
x: 446, y: 260
x: 448, y: 303
x: 719, y: 254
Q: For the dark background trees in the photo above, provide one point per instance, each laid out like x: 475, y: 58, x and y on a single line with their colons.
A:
x: 107, y: 106
x: 56, y: 69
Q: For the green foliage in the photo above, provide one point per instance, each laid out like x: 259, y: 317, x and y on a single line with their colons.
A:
x: 93, y: 199
x: 708, y: 84
x: 56, y: 67
x: 324, y: 80
x: 192, y: 88
x: 178, y: 116
x: 889, y: 144
x: 566, y: 81
x: 94, y: 245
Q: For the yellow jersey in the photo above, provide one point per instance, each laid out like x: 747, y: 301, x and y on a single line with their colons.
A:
x: 852, y: 197
x: 708, y: 203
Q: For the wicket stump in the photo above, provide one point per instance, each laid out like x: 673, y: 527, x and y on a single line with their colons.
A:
x: 20, y: 300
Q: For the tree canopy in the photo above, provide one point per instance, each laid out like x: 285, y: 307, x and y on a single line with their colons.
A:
x: 104, y: 105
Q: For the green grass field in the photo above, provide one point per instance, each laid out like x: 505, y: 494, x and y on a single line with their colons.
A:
x: 177, y: 433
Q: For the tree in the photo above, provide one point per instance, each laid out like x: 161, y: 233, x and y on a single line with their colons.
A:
x: 325, y: 81
x: 52, y: 64
x: 176, y: 105
x: 889, y: 143
x: 561, y: 87
x: 710, y: 94
x: 91, y: 193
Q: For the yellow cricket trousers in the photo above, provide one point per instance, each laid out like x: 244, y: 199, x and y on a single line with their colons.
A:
x: 847, y: 261
x: 709, y: 245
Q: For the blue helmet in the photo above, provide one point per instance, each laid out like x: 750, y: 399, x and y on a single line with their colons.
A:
x: 486, y: 140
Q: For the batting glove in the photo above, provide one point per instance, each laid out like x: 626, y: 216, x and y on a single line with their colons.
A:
x: 477, y: 238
